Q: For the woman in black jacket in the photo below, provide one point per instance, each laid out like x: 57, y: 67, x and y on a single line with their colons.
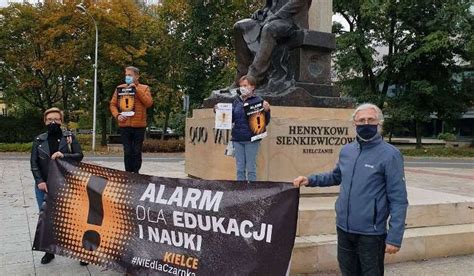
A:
x: 53, y: 144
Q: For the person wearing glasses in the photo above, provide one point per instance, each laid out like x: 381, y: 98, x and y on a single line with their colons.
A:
x: 53, y: 144
x: 371, y: 176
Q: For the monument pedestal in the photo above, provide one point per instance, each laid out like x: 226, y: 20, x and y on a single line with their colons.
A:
x: 300, y: 141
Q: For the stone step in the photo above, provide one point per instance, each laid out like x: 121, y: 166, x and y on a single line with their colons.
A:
x: 327, y: 191
x: 427, y: 208
x: 313, y: 254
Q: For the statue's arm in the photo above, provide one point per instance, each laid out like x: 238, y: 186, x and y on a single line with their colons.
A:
x: 292, y: 7
x: 261, y: 14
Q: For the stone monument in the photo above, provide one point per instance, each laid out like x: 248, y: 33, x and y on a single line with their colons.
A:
x: 310, y: 121
x: 309, y: 125
x: 290, y: 61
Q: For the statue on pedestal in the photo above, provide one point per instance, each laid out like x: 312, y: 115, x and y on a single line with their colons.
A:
x: 292, y: 64
x: 256, y: 38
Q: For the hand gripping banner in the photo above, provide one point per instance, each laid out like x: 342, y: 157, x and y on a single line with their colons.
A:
x: 166, y: 226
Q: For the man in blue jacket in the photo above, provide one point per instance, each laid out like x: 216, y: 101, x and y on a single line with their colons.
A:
x: 372, y: 187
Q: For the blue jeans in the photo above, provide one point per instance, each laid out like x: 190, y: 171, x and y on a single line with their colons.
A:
x: 246, y: 160
x: 39, y: 196
x: 360, y: 254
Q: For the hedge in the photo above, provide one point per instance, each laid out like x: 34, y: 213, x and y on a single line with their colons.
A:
x: 151, y: 145
x: 20, y: 130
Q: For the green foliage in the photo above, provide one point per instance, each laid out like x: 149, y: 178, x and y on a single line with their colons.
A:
x: 195, y: 56
x: 447, y: 136
x: 47, y: 52
x: 20, y: 130
x: 439, y: 152
x: 402, y: 55
x: 42, y: 55
x: 84, y: 139
x: 151, y: 145
x: 177, y: 123
x: 85, y: 121
x: 16, y: 147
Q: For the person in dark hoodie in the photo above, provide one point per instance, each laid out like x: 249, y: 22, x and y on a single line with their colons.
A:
x: 53, y: 144
x: 246, y: 150
x: 371, y: 176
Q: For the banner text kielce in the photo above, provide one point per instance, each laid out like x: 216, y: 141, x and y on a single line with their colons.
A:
x: 195, y: 199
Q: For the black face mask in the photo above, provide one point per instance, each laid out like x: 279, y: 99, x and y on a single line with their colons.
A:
x: 366, y: 132
x: 54, y: 129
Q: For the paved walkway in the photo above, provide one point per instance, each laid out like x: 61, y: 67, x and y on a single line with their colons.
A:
x: 18, y: 218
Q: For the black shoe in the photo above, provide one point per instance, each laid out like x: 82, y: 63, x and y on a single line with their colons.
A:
x: 83, y: 263
x: 47, y: 258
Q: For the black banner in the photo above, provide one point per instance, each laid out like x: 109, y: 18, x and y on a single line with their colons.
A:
x: 257, y: 121
x: 145, y: 224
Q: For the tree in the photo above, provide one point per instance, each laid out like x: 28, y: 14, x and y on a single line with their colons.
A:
x: 193, y: 56
x: 202, y: 32
x: 413, y: 46
x: 40, y: 55
x: 123, y: 30
x: 180, y: 46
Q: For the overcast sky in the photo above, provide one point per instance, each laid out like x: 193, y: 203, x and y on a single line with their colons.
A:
x: 4, y: 3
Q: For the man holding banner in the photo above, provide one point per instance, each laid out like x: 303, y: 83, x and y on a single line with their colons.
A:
x: 128, y: 105
x: 371, y: 174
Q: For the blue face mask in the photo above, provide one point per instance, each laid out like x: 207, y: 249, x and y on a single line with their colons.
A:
x: 366, y: 132
x: 128, y: 79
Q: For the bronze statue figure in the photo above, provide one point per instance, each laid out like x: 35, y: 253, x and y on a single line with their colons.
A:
x: 291, y: 63
x: 257, y: 37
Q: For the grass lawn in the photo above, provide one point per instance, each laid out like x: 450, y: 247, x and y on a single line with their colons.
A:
x: 438, y: 151
x: 16, y: 147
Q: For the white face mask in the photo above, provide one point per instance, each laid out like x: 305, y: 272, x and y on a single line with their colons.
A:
x: 244, y: 92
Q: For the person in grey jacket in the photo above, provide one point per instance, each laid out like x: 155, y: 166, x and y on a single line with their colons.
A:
x: 53, y: 144
x: 370, y: 173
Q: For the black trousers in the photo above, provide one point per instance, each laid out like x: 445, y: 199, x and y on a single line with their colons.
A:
x: 360, y: 254
x: 132, y: 140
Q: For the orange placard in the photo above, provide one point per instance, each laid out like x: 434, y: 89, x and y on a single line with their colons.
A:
x: 126, y: 100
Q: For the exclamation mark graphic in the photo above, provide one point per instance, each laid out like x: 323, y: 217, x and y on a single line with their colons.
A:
x: 258, y: 123
x: 126, y: 103
x: 95, y: 189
